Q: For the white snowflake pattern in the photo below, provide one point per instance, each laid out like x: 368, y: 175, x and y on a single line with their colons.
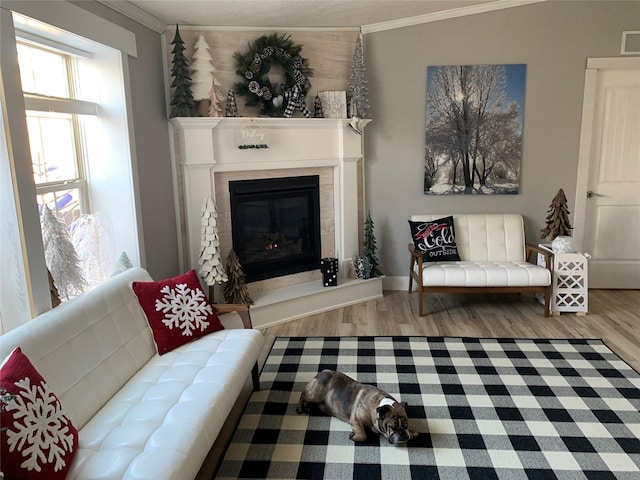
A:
x: 184, y: 308
x: 41, y: 430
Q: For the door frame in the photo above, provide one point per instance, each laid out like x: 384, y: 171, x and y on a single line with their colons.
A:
x: 594, y: 65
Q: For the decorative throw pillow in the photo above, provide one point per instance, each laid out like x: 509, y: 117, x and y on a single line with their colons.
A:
x: 435, y: 240
x: 37, y: 439
x: 177, y: 310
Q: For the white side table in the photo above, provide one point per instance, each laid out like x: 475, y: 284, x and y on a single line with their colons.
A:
x: 569, y: 282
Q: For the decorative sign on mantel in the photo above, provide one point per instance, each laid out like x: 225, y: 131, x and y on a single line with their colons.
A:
x: 251, y: 136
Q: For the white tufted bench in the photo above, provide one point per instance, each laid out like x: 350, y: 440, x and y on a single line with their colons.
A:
x: 494, y: 258
x: 139, y: 415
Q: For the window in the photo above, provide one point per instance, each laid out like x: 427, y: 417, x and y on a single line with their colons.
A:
x: 66, y: 143
x: 55, y: 138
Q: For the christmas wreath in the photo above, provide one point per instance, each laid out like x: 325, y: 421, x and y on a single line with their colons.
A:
x: 254, y: 65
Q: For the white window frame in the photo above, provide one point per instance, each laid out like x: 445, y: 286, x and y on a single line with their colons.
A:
x: 35, y: 102
x: 111, y: 170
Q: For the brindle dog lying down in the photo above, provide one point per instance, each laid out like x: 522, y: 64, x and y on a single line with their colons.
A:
x: 362, y: 406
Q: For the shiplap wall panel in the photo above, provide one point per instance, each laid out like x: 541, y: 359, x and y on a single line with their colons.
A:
x: 329, y: 53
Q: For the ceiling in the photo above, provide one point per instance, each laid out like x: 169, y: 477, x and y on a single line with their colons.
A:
x: 372, y: 14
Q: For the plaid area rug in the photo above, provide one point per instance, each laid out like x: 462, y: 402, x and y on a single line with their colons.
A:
x: 484, y: 408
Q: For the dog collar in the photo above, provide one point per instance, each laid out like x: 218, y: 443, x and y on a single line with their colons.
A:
x: 386, y: 401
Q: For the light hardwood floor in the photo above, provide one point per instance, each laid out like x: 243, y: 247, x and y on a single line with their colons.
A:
x: 614, y: 316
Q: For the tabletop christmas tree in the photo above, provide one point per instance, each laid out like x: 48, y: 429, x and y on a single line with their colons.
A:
x: 370, y: 247
x: 358, y: 89
x: 123, y: 264
x: 203, y: 81
x: 235, y: 290
x: 215, y: 98
x: 557, y: 221
x: 317, y: 108
x: 90, y: 235
x: 231, y: 109
x: 60, y: 255
x: 182, y: 103
x: 210, y: 267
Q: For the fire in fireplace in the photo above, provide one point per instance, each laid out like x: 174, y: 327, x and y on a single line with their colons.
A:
x: 275, y: 225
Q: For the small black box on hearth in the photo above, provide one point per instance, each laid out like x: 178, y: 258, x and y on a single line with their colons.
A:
x: 329, y: 269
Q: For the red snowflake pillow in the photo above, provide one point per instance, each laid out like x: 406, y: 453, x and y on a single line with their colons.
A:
x: 37, y: 439
x: 177, y: 310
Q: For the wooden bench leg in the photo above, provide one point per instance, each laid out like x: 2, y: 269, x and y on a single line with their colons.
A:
x: 255, y: 376
x: 547, y: 302
x: 420, y: 309
x: 413, y: 263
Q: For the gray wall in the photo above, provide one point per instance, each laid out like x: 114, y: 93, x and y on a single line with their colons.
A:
x: 155, y: 182
x: 553, y: 38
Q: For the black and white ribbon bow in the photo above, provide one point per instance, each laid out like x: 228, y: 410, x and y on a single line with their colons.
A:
x: 295, y: 102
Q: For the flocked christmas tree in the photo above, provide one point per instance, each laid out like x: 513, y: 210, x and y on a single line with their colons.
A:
x: 215, y: 97
x: 235, y: 290
x: 182, y: 103
x: 90, y: 235
x: 60, y: 255
x: 318, y: 112
x: 202, y: 76
x: 231, y: 109
x: 123, y: 264
x: 370, y: 247
x: 557, y: 221
x: 210, y: 267
x: 358, y: 89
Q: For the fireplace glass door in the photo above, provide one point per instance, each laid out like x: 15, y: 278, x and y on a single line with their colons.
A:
x: 276, y: 225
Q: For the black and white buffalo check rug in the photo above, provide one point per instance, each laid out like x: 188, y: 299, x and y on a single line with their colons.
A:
x: 485, y: 409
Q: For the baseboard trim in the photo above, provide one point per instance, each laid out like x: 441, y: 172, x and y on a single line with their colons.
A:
x: 395, y: 283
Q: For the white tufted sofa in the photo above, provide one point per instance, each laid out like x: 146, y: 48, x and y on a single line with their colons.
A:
x: 139, y: 415
x: 494, y: 258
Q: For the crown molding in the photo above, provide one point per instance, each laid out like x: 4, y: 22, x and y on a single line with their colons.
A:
x: 139, y: 15
x: 444, y: 15
x: 136, y: 13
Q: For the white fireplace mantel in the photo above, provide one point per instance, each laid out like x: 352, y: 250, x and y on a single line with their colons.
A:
x: 209, y: 146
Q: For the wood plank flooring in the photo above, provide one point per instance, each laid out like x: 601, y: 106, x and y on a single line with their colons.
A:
x: 614, y: 316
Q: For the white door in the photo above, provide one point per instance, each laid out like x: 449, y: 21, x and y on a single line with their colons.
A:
x: 611, y: 193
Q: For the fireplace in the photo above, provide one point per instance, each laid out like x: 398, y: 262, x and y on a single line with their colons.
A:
x: 275, y: 225
x: 208, y: 160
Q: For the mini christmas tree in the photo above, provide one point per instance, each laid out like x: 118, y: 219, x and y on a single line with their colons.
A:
x: 557, y: 221
x: 182, y: 103
x: 90, y: 236
x: 232, y: 108
x: 123, y: 264
x: 235, y: 290
x: 358, y: 89
x: 202, y: 76
x: 215, y: 97
x: 370, y: 246
x: 317, y: 108
x: 60, y: 255
x: 210, y: 266
x: 362, y: 267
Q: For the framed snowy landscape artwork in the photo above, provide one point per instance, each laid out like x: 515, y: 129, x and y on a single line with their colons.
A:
x: 474, y: 129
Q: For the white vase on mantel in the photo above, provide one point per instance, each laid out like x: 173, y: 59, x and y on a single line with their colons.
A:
x: 562, y: 244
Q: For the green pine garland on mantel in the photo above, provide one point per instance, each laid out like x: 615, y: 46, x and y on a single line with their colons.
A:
x: 253, y: 68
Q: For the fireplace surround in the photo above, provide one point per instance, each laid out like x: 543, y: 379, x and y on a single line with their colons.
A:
x: 210, y: 154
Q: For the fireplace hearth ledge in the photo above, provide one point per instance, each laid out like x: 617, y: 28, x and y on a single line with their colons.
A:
x: 280, y: 305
